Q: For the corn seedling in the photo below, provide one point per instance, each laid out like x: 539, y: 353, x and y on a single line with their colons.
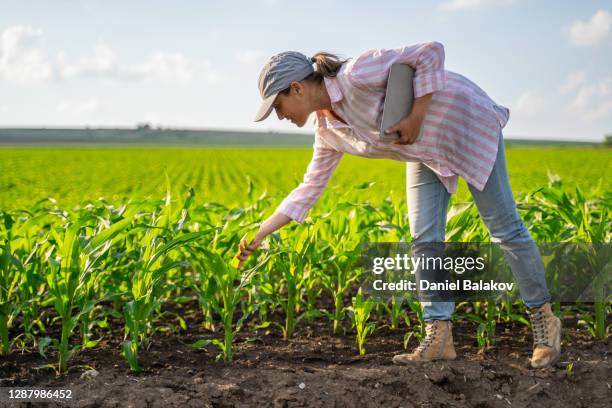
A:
x: 70, y: 273
x: 149, y: 287
x: 418, y: 332
x: 10, y: 272
x: 295, y: 262
x: 224, y: 292
x: 360, y: 314
x: 395, y: 311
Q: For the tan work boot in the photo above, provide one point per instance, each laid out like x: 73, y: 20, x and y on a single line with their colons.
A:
x: 546, y: 336
x: 437, y: 345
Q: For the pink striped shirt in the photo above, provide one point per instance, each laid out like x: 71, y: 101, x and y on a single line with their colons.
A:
x: 459, y: 135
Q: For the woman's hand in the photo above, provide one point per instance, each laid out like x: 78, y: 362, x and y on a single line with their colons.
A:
x: 247, y: 248
x: 276, y: 221
x: 410, y: 127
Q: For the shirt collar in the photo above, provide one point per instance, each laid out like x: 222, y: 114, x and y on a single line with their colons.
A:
x: 335, y: 96
x: 333, y: 90
x: 322, y: 121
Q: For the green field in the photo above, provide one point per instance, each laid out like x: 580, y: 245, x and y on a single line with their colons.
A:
x: 78, y: 270
x: 79, y: 174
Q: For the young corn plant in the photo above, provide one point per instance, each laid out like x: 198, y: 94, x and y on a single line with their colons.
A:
x: 343, y: 253
x: 147, y: 293
x: 149, y: 284
x: 486, y: 329
x: 464, y: 224
x: 224, y: 291
x: 395, y: 311
x: 393, y: 225
x: 225, y: 239
x: 486, y: 318
x: 20, y: 292
x: 360, y: 315
x: 264, y: 292
x: 200, y: 283
x: 32, y: 292
x: 597, y: 329
x: 29, y: 241
x: 508, y: 313
x: 11, y: 270
x: 418, y: 332
x: 69, y: 276
x: 97, y: 218
x: 294, y: 260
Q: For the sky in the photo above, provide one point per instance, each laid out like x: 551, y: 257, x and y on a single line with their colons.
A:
x: 195, y: 64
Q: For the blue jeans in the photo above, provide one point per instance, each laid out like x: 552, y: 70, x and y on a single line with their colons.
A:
x: 427, y: 206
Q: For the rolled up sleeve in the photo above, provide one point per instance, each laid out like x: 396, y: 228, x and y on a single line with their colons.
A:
x: 371, y: 69
x: 324, y: 161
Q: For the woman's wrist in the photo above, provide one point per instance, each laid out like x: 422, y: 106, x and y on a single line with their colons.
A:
x: 276, y: 221
x: 421, y: 105
x: 260, y: 235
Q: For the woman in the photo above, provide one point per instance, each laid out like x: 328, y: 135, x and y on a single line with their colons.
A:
x: 460, y: 135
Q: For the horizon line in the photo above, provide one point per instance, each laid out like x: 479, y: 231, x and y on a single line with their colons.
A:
x: 143, y: 127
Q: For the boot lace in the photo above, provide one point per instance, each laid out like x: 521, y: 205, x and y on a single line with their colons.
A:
x: 540, y: 331
x: 430, y: 335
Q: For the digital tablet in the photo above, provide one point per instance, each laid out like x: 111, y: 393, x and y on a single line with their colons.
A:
x: 398, y: 99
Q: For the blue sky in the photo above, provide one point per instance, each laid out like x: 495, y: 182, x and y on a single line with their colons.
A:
x: 196, y: 63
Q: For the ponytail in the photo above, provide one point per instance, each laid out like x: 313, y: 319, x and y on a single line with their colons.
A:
x: 327, y: 65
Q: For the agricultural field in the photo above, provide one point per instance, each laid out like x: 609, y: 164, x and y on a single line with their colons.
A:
x: 118, y: 279
x: 76, y: 175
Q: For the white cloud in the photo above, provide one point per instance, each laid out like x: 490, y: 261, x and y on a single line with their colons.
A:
x: 249, y: 56
x: 592, y: 32
x: 77, y: 107
x: 23, y: 58
x: 453, y: 5
x: 593, y: 101
x: 102, y: 63
x: 166, y: 67
x: 573, y: 81
x: 22, y: 55
x: 529, y: 103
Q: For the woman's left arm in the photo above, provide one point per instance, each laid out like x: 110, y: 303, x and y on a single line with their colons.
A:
x: 370, y: 71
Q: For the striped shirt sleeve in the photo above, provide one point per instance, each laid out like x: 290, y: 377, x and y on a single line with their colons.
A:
x: 324, y: 161
x: 371, y: 69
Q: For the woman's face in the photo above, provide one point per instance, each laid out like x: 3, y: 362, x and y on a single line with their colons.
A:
x: 293, y: 106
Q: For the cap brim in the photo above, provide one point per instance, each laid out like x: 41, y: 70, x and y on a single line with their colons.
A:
x: 265, y: 108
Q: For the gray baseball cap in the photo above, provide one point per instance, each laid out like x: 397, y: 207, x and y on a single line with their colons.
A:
x: 277, y: 75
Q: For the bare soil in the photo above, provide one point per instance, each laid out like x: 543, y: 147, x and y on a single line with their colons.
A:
x: 316, y: 369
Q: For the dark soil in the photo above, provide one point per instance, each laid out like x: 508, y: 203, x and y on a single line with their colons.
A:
x: 316, y: 369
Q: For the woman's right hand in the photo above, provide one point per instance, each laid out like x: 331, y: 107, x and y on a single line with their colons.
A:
x: 270, y: 225
x: 247, y: 248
